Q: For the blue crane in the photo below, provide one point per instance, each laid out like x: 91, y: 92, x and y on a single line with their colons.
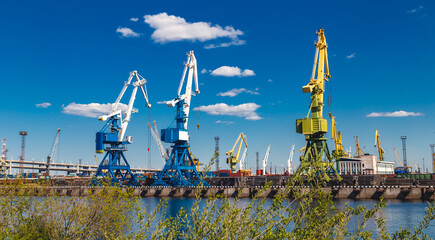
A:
x: 110, y: 139
x: 180, y: 169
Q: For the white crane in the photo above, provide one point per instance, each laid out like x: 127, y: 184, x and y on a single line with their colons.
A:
x: 290, y: 160
x: 156, y: 136
x: 242, y: 159
x: 140, y: 82
x: 50, y: 158
x: 193, y: 73
x: 266, y: 157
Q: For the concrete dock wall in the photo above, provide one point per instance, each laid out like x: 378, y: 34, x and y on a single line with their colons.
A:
x: 338, y: 192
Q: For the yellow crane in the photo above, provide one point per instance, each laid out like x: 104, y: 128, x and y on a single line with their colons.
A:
x: 358, y: 152
x: 378, y: 144
x: 233, y: 159
x: 316, y: 159
x: 336, y: 136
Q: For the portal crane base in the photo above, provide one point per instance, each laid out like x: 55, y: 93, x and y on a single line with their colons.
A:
x: 116, y: 167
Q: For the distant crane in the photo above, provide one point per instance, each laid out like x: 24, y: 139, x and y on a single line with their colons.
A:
x: 397, y: 156
x: 316, y: 159
x: 339, y: 151
x: 110, y: 138
x: 50, y: 158
x: 4, y: 157
x: 156, y: 136
x: 378, y: 145
x: 265, y: 159
x: 358, y: 152
x: 233, y: 159
x: 180, y: 170
x: 290, y: 160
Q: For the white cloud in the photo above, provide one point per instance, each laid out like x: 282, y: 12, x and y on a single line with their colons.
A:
x: 224, y: 122
x: 245, y: 110
x: 228, y: 71
x: 412, y: 11
x: 235, y: 42
x: 203, y: 71
x: 43, y: 105
x: 91, y: 110
x: 161, y: 102
x: 134, y: 19
x: 170, y: 28
x: 269, y: 80
x: 394, y: 114
x: 236, y: 91
x: 351, y: 56
x: 127, y: 32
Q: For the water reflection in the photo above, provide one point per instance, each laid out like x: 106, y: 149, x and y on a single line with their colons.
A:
x: 397, y: 213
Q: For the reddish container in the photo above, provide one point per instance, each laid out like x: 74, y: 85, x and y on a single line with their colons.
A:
x: 238, y: 174
x: 225, y: 171
x: 259, y: 172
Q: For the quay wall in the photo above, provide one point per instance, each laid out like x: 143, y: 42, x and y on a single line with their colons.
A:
x: 338, y: 192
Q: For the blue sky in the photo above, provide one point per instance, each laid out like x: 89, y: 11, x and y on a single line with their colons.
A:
x: 64, y: 52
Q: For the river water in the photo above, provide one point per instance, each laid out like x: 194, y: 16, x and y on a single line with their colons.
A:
x: 397, y: 213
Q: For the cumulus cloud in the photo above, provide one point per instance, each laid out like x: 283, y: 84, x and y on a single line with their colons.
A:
x: 134, y: 19
x: 203, y: 71
x: 92, y: 109
x: 269, y: 80
x: 394, y: 114
x: 351, y: 56
x: 224, y: 122
x: 43, y: 105
x: 127, y: 32
x: 228, y: 71
x: 170, y: 28
x: 236, y: 91
x: 245, y: 110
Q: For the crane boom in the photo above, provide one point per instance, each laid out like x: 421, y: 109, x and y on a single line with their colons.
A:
x: 378, y: 145
x: 358, y: 152
x: 50, y: 158
x: 140, y: 82
x: 336, y: 136
x: 397, y: 156
x: 290, y: 159
x: 156, y: 136
x: 266, y: 157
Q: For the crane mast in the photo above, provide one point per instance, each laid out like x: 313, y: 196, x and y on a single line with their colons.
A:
x: 233, y: 159
x: 50, y: 158
x: 111, y: 138
x: 180, y: 169
x: 316, y: 159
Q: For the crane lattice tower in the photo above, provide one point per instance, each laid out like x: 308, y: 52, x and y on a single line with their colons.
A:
x: 23, y: 149
x: 216, y: 149
x: 405, y: 161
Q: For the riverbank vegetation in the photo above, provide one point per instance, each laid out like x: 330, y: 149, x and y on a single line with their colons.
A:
x: 114, y: 213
